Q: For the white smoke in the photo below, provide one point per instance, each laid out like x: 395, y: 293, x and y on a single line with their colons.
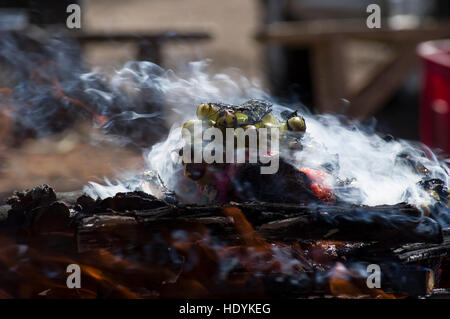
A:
x: 181, y: 91
x: 373, y: 162
x: 357, y: 152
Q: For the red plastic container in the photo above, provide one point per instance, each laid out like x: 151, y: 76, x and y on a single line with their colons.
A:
x: 435, y: 95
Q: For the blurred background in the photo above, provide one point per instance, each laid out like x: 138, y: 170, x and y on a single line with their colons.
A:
x: 316, y: 53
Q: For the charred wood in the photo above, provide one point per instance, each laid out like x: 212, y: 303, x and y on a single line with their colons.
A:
x: 395, y: 224
x: 275, y: 222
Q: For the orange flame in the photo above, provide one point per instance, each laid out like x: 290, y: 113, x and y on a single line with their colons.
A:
x: 29, y: 271
x: 321, y: 183
x: 6, y: 91
x: 100, y: 119
x: 249, y: 235
x: 344, y: 285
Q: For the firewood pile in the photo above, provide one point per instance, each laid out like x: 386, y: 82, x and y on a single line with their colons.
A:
x: 287, y: 234
x: 135, y: 245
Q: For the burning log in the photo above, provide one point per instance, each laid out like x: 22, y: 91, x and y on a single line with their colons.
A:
x: 407, y: 253
x: 273, y: 222
x: 439, y: 294
x: 419, y: 251
x: 4, y: 209
x: 355, y: 225
x: 109, y: 230
x: 36, y: 211
x: 129, y: 222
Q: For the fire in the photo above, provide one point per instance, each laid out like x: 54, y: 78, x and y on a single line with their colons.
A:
x: 185, y: 262
x: 28, y: 271
x: 344, y: 284
x: 6, y: 91
x: 256, y: 254
x: 101, y: 120
x: 321, y: 183
x: 250, y: 237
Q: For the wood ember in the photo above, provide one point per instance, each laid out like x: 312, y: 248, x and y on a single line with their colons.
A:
x: 355, y: 225
x: 439, y: 294
x: 420, y: 251
x: 24, y: 205
x: 122, y: 202
x: 289, y: 223
x: 4, y: 209
x: 405, y: 253
x: 395, y: 235
x: 109, y: 230
x: 284, y: 222
x: 47, y: 219
x: 33, y: 198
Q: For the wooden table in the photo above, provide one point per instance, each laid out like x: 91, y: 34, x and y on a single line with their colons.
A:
x: 326, y: 40
x: 149, y: 43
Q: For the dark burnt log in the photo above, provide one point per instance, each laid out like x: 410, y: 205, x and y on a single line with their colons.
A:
x: 4, y: 209
x: 258, y: 213
x: 32, y: 198
x: 41, y: 196
x: 21, y: 203
x: 273, y: 222
x: 406, y: 253
x: 393, y: 225
x: 439, y: 293
x: 411, y: 280
x: 48, y: 219
x: 411, y: 253
x: 287, y: 185
x: 355, y: 225
x: 122, y: 202
x: 69, y: 198
x: 104, y: 231
x: 121, y: 221
x: 36, y: 212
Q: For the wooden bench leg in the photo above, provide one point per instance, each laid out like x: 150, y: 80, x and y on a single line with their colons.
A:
x: 328, y: 66
x: 149, y: 51
x: 383, y: 85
